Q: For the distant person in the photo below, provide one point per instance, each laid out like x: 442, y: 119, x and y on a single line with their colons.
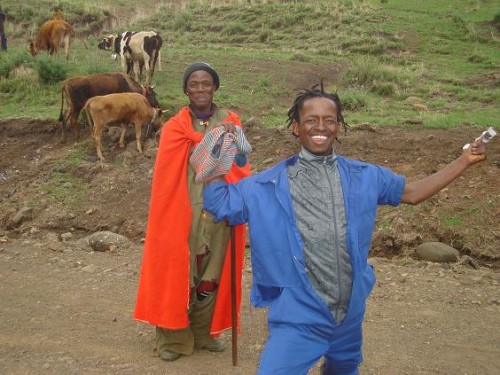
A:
x: 184, y: 286
x: 311, y: 219
x: 58, y: 12
x: 3, y: 37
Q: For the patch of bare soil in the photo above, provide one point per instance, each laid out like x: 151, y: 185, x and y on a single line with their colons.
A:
x: 68, y: 310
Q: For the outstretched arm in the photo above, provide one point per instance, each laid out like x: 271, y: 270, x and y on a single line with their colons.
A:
x: 420, y: 190
x: 225, y: 201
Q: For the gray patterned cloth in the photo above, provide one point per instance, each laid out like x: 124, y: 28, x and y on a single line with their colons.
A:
x: 215, y: 154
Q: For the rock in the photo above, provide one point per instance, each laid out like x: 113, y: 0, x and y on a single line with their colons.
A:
x: 420, y: 107
x: 107, y: 241
x: 249, y: 124
x: 25, y: 213
x: 467, y: 260
x: 413, y: 100
x: 66, y: 236
x: 34, y: 230
x: 91, y: 268
x: 414, y: 121
x: 437, y: 252
x: 51, y: 237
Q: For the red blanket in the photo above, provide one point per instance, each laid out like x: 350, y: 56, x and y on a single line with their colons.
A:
x: 163, y: 295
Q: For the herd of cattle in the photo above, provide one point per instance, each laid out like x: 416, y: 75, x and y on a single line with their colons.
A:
x: 108, y: 98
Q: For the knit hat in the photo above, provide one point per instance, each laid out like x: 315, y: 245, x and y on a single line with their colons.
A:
x: 200, y: 66
x: 215, y: 154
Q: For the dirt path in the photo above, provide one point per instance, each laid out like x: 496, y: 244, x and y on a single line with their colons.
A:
x: 69, y: 312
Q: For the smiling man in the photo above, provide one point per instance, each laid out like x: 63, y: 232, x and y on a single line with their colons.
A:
x: 311, y: 219
x: 184, y: 285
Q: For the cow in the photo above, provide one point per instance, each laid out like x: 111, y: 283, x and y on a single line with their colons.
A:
x: 121, y: 109
x: 52, y: 35
x: 77, y: 90
x: 136, y: 50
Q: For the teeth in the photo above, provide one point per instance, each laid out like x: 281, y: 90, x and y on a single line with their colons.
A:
x: 318, y: 137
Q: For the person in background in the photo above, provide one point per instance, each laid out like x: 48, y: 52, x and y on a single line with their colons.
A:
x: 311, y: 219
x: 184, y: 286
x: 3, y: 37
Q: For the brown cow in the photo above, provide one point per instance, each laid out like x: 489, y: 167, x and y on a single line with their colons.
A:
x: 52, y: 35
x: 78, y: 90
x: 121, y: 109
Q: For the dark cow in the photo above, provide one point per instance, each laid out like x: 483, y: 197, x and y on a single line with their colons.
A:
x: 78, y: 90
x: 137, y: 50
x: 121, y: 109
x: 51, y: 36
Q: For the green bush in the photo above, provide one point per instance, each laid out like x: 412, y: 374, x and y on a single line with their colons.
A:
x: 366, y: 72
x: 182, y: 21
x: 50, y: 70
x: 496, y: 18
x: 383, y: 88
x: 234, y: 28
x: 353, y: 100
x: 477, y: 59
x: 264, y: 36
x: 11, y: 60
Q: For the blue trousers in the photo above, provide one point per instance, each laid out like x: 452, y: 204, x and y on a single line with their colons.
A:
x: 302, y: 331
x: 3, y: 42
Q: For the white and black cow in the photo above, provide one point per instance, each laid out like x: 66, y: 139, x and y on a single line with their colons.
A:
x: 137, y: 50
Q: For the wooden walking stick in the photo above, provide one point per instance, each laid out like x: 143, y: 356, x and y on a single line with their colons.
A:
x: 234, y: 310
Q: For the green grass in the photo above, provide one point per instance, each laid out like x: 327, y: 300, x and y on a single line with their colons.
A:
x: 375, y: 54
x: 452, y: 221
x: 65, y: 189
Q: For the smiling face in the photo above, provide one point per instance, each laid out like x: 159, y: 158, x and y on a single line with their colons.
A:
x: 318, y: 126
x: 200, y: 89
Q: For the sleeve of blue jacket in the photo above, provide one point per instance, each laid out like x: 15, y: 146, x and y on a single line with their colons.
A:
x: 225, y: 201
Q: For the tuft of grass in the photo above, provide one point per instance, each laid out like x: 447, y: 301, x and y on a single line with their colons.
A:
x: 75, y: 157
x: 354, y: 100
x: 65, y: 189
x: 368, y: 72
x: 452, y: 221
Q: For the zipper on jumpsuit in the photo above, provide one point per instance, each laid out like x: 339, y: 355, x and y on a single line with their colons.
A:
x: 337, y: 244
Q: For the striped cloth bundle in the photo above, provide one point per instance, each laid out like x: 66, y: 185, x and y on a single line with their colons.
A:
x: 215, y: 154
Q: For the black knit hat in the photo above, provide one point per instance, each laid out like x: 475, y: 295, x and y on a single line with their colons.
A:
x: 200, y: 66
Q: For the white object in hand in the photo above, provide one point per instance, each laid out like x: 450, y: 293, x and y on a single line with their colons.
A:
x: 485, y: 137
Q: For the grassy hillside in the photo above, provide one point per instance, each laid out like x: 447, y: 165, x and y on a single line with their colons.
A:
x: 431, y: 63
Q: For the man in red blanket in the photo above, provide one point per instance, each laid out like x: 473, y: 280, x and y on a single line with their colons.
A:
x: 184, y: 286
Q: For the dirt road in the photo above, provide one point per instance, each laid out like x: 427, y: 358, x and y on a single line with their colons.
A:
x: 69, y: 312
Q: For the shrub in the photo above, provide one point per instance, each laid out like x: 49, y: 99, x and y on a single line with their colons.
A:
x: 477, y: 59
x: 383, y: 88
x: 182, y: 21
x: 264, y: 36
x: 50, y: 70
x: 9, y: 61
x: 496, y: 18
x: 366, y: 72
x: 353, y: 100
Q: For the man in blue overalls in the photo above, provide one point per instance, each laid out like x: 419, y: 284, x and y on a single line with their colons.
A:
x: 311, y: 219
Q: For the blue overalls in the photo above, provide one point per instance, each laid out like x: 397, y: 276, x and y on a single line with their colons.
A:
x: 301, y: 327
